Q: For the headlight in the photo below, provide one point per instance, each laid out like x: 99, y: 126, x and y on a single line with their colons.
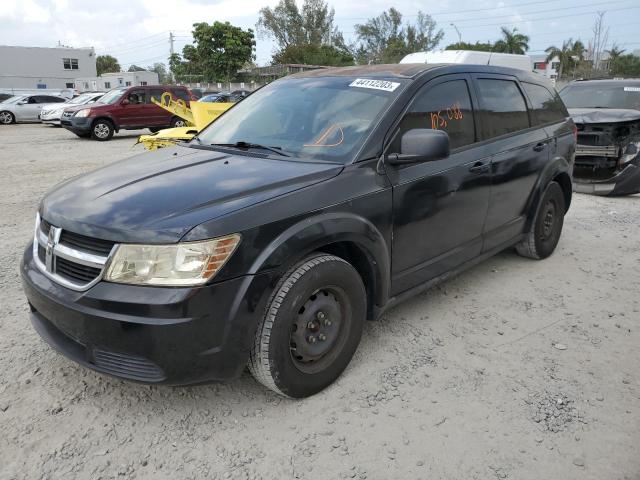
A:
x: 180, y: 264
x: 83, y: 113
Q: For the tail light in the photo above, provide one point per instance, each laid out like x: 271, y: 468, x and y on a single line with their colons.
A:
x: 575, y: 132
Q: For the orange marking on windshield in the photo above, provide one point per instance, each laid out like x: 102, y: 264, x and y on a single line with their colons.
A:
x: 319, y: 142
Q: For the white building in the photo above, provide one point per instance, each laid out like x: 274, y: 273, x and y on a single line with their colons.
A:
x: 548, y: 69
x: 107, y: 81
x: 44, y: 68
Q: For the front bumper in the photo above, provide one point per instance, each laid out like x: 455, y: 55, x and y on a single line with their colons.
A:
x: 626, y: 182
x: 173, y: 336
x: 77, y: 125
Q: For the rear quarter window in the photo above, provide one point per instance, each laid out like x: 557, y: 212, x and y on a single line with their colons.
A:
x: 503, y: 107
x: 181, y: 94
x: 547, y: 106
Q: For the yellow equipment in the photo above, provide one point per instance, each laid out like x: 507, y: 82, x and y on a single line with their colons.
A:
x: 197, y: 117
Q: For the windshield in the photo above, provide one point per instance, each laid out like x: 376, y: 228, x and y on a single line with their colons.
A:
x: 112, y: 96
x: 594, y: 95
x: 325, y: 117
x: 81, y: 99
x: 15, y: 99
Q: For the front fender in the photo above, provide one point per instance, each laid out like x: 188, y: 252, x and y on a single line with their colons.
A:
x: 314, y: 233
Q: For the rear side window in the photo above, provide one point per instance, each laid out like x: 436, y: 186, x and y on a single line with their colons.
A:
x: 181, y: 94
x: 503, y: 105
x: 547, y: 107
x: 156, y: 93
x: 447, y: 107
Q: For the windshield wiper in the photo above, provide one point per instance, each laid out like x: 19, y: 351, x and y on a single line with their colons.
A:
x: 242, y: 144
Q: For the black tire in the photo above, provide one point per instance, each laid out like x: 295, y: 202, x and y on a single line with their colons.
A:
x: 322, y: 296
x: 177, y: 122
x: 7, y: 118
x: 545, y: 232
x: 155, y: 129
x: 102, y: 130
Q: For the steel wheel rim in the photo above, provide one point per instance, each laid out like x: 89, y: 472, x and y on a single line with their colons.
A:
x: 320, y: 329
x: 5, y: 118
x: 101, y: 130
x: 179, y: 123
x: 548, y: 220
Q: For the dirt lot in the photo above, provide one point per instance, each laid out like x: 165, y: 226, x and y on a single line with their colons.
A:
x: 516, y: 369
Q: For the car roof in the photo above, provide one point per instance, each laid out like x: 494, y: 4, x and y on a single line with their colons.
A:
x: 414, y: 70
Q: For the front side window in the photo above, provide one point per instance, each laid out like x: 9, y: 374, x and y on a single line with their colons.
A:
x: 446, y: 107
x: 137, y: 97
x: 503, y: 107
x: 547, y: 107
x: 323, y: 118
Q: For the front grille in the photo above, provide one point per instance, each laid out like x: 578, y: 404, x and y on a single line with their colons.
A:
x: 75, y: 271
x: 88, y: 244
x: 73, y: 260
x: 128, y: 366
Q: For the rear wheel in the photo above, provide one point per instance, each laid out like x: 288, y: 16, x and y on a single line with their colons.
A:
x: 545, y: 232
x: 102, y: 130
x: 311, y: 328
x: 7, y: 118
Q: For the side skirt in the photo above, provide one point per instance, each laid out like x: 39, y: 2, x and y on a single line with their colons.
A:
x: 393, y: 301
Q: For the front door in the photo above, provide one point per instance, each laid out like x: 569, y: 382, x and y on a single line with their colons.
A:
x: 439, y: 207
x: 28, y: 109
x: 132, y: 114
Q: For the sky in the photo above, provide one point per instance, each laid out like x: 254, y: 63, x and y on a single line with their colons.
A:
x: 137, y: 31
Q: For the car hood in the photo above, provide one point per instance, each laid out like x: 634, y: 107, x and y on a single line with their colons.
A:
x: 159, y: 196
x: 603, y: 115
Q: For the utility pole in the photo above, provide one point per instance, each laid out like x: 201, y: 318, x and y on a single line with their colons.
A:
x: 458, y: 31
x: 170, y: 55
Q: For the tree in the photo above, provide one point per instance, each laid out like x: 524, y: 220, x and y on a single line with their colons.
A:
x: 615, y: 52
x: 107, y: 64
x: 287, y: 25
x: 478, y: 46
x: 218, y: 52
x: 625, y: 66
x: 305, y: 35
x: 314, y: 55
x: 161, y: 69
x: 384, y: 39
x: 135, y: 68
x: 565, y: 55
x: 512, y: 42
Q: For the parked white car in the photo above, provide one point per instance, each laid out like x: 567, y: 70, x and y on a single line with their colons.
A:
x: 50, y: 114
x: 25, y: 108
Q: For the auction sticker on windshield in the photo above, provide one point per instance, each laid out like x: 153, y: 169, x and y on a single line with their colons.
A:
x: 375, y: 84
x: 632, y: 89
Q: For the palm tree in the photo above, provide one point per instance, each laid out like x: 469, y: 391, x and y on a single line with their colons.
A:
x: 566, y: 54
x: 615, y: 52
x: 512, y: 42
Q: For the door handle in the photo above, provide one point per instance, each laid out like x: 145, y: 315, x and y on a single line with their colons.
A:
x: 539, y: 147
x: 479, y: 167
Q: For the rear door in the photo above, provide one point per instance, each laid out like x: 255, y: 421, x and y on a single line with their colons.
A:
x: 158, y: 115
x: 439, y: 207
x: 518, y: 149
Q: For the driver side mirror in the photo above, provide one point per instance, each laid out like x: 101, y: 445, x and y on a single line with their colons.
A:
x: 421, y: 145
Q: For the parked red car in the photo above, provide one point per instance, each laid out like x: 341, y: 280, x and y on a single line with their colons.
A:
x: 127, y: 108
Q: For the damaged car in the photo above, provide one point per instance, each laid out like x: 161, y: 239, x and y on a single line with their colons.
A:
x: 607, y: 115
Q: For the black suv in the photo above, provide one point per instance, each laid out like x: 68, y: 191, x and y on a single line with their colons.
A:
x: 314, y: 204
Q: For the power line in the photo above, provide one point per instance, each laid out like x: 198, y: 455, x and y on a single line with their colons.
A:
x: 138, y: 40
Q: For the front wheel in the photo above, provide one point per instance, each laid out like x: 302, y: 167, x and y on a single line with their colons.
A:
x: 7, y: 118
x: 177, y: 122
x: 545, y: 232
x: 311, y: 328
x: 102, y: 130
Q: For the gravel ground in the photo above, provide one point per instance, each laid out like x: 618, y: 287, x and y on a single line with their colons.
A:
x: 515, y: 369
